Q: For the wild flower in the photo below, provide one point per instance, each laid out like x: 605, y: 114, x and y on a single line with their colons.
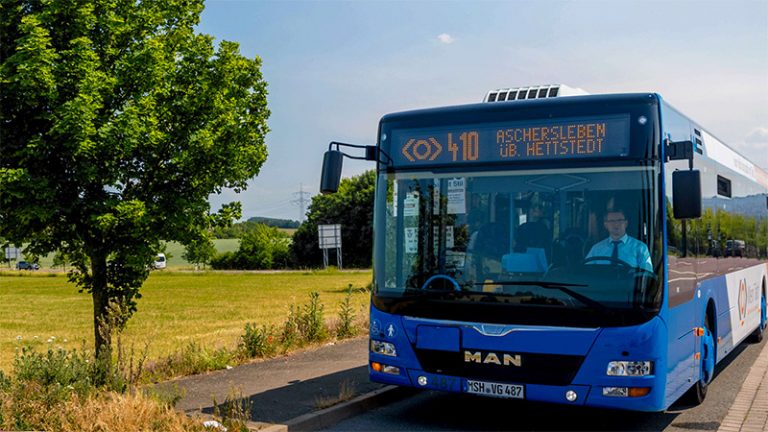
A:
x: 18, y: 338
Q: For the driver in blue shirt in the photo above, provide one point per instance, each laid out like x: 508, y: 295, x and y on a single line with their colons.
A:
x: 619, y: 245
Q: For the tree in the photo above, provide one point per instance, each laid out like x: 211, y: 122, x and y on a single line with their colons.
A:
x: 261, y: 248
x: 352, y: 207
x: 200, y: 251
x: 118, y: 120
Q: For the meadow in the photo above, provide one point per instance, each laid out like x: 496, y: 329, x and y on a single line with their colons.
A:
x: 176, y: 308
x: 173, y: 252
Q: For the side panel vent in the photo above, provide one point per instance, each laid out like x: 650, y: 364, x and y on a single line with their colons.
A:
x: 697, y: 140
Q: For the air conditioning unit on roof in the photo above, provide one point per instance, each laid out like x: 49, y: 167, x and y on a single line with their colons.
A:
x: 532, y: 92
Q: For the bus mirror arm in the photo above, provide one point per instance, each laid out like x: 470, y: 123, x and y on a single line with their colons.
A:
x: 686, y: 185
x: 333, y: 159
x: 679, y: 150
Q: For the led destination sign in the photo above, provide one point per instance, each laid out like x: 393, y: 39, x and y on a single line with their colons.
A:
x: 514, y: 141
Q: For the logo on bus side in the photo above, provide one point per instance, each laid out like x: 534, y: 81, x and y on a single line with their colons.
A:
x: 742, y: 299
x: 503, y: 359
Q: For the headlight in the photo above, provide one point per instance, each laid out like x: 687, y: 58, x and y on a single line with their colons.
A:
x: 384, y: 348
x: 630, y: 368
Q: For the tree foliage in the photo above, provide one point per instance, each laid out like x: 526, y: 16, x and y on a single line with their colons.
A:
x: 239, y: 229
x: 261, y: 248
x: 200, y: 251
x: 710, y: 234
x: 352, y: 207
x: 118, y: 121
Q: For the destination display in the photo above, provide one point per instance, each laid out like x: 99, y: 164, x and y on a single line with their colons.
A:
x: 575, y: 138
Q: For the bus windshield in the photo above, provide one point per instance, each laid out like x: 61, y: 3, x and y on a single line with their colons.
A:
x: 558, y: 239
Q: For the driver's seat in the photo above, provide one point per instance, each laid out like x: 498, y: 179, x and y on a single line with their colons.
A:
x: 568, y: 251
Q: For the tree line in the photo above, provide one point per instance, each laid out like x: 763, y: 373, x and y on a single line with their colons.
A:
x: 719, y: 233
x: 267, y: 247
x: 237, y: 230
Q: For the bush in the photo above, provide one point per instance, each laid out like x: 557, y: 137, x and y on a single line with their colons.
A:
x: 41, y: 382
x: 290, y: 333
x: 58, y: 373
x: 261, y: 248
x: 311, y: 323
x: 192, y: 359
x: 257, y: 341
x: 54, y: 390
x: 346, y: 317
x: 264, y: 248
x: 223, y: 261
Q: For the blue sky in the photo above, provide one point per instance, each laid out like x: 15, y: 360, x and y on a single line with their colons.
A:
x: 335, y: 68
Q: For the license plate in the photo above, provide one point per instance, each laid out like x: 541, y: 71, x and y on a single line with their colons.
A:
x: 501, y: 390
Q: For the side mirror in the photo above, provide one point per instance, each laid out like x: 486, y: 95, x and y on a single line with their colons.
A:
x: 686, y: 194
x: 331, y: 176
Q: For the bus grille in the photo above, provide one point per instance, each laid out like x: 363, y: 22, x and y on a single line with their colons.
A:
x: 547, y: 369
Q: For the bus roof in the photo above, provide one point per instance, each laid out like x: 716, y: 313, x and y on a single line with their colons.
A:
x: 523, y: 104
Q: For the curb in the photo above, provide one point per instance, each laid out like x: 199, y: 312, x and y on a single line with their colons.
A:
x: 749, y: 411
x: 330, y: 416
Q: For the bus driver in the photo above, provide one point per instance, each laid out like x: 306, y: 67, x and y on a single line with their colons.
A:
x: 619, y: 245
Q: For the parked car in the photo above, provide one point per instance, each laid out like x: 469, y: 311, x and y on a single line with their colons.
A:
x: 735, y: 248
x: 160, y: 261
x: 26, y: 265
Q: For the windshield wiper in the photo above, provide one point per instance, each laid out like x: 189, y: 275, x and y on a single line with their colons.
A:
x: 561, y: 286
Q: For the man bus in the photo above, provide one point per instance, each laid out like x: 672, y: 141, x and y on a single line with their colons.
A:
x: 566, y: 320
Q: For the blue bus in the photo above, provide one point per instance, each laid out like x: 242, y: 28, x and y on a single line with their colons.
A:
x: 561, y: 249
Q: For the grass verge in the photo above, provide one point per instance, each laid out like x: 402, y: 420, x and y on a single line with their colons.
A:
x: 204, y: 311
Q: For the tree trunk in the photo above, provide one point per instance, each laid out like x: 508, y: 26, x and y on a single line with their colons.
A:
x: 101, y: 320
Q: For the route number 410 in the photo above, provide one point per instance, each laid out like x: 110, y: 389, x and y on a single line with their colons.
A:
x: 469, y: 146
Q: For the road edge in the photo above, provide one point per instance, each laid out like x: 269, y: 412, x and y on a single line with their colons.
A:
x: 330, y: 416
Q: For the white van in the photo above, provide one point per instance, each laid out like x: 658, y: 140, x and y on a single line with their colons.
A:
x: 160, y: 261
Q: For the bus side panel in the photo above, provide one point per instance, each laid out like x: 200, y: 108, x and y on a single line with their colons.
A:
x: 737, y: 300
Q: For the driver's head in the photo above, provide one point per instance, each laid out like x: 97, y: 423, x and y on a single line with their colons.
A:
x: 615, y: 223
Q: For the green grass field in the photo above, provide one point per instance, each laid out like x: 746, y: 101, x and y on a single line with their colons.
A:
x: 173, y: 252
x: 210, y: 308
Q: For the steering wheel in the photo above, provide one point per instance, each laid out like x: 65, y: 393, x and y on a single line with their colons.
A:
x: 606, y: 258
x: 441, y: 276
x: 623, y: 265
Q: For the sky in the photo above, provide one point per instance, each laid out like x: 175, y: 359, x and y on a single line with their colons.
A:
x: 334, y: 68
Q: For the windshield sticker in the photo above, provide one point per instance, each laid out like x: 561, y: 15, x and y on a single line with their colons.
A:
x: 457, y: 202
x: 411, y: 240
x: 411, y: 205
x: 449, y: 237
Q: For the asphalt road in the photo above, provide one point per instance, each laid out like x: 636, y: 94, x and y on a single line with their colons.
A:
x: 452, y: 412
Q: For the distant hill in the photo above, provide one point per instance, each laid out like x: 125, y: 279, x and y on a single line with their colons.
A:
x: 278, y: 223
x: 753, y: 205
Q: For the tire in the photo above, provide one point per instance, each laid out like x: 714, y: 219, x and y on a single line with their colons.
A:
x: 757, y: 335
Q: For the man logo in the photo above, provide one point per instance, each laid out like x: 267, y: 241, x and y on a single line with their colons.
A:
x: 493, y: 358
x: 742, y: 299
